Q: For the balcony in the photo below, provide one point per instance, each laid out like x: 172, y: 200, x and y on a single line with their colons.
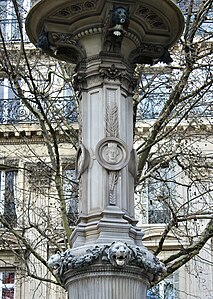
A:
x: 13, y: 111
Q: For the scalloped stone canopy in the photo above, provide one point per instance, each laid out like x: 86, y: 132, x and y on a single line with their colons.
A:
x: 76, y: 29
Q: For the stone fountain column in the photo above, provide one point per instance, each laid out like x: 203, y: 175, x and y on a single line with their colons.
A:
x: 106, y: 39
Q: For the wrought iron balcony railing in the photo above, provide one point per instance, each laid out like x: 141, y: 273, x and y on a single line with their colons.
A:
x: 13, y: 111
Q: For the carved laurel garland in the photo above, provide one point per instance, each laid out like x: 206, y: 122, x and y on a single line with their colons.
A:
x: 112, y: 121
x: 113, y: 179
x: 118, y: 254
x: 112, y: 127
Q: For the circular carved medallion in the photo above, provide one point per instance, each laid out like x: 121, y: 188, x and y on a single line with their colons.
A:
x: 112, y: 153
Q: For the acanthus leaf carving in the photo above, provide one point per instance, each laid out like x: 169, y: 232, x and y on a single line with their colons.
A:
x: 111, y: 73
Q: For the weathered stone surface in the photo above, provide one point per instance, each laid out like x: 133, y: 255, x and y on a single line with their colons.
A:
x: 118, y: 254
x: 106, y: 39
x: 137, y: 30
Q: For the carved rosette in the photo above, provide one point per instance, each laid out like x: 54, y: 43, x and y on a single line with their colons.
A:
x: 118, y: 254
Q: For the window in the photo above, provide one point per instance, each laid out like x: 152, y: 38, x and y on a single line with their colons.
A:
x: 8, y: 189
x: 7, y: 285
x: 71, y: 194
x: 70, y: 111
x: 155, y: 90
x: 9, y: 103
x: 64, y: 103
x: 166, y: 289
x: 157, y: 194
x: 9, y: 23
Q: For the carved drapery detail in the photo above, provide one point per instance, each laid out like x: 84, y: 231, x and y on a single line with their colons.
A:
x: 82, y: 160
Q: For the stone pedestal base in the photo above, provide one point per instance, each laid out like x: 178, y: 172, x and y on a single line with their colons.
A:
x: 107, y: 271
x: 106, y: 282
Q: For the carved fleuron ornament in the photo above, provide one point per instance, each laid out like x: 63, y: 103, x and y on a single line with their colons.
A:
x: 112, y: 153
x: 111, y: 73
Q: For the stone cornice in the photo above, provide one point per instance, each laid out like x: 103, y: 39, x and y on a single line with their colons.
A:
x: 30, y: 133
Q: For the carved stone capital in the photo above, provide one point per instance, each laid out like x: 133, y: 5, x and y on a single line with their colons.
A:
x: 102, y: 68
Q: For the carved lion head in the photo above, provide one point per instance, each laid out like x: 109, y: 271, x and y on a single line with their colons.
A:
x: 119, y: 253
x: 55, y: 261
